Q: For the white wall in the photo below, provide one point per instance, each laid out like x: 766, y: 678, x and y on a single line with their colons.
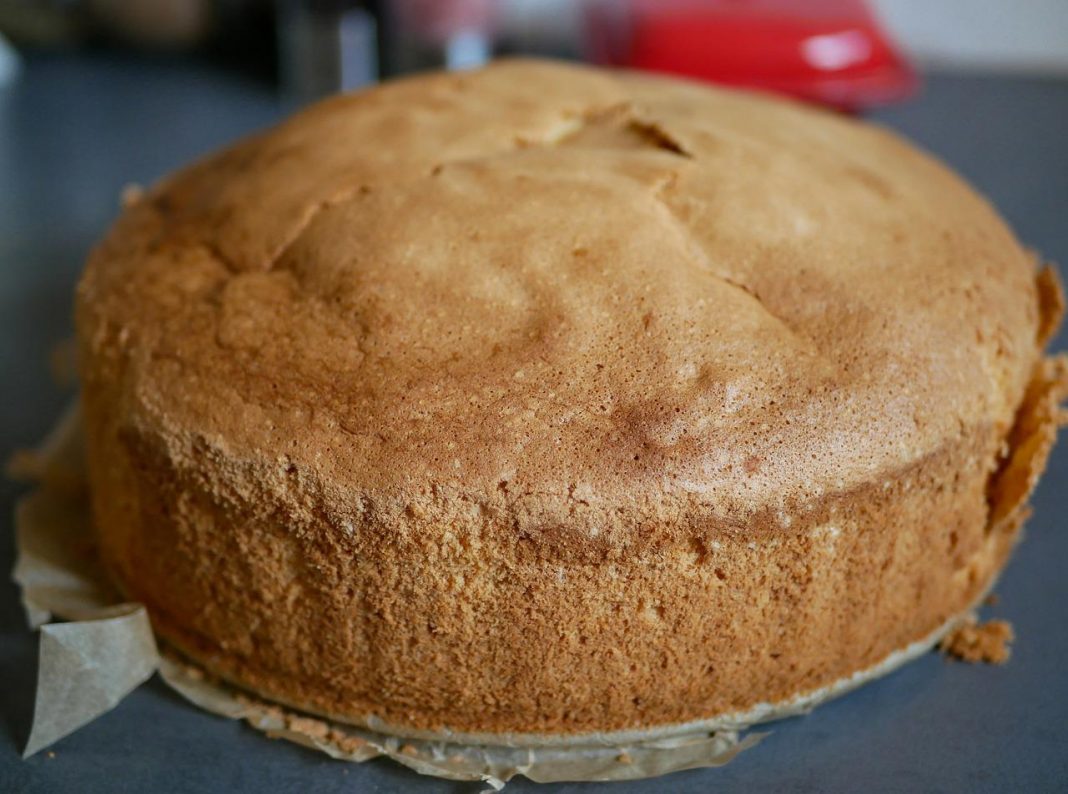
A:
x: 1016, y: 35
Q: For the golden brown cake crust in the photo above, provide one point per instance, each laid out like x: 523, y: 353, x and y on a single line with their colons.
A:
x: 544, y: 399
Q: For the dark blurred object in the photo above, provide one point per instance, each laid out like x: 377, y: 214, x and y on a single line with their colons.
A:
x: 828, y: 51
x: 154, y: 24
x: 432, y: 34
x: 42, y: 22
x: 236, y: 34
x: 159, y: 24
x: 326, y: 46
x: 543, y: 28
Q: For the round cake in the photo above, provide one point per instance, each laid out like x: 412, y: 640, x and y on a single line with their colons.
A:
x: 542, y: 401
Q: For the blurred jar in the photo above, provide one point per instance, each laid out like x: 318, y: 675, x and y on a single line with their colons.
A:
x: 432, y: 34
x: 326, y: 46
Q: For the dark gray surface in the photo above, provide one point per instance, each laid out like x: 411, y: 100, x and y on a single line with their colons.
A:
x: 73, y: 132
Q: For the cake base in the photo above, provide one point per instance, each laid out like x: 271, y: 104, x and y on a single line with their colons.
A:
x: 494, y: 758
x: 802, y: 703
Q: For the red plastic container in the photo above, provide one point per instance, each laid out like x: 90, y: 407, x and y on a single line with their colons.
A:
x: 828, y: 51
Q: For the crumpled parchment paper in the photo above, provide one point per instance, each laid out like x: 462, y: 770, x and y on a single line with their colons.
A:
x: 107, y: 649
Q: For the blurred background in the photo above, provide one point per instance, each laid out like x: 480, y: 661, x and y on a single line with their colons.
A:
x: 847, y: 53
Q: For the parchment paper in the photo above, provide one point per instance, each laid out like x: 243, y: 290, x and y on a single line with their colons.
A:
x: 86, y: 668
x: 107, y: 649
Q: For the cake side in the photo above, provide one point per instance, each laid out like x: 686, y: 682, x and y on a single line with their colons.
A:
x: 473, y: 628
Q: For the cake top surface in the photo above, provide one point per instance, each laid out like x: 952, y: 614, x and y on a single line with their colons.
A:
x: 567, y: 291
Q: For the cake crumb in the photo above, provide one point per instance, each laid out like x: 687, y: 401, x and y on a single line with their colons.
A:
x: 316, y: 729
x: 346, y: 742
x: 131, y: 195
x: 991, y: 600
x: 624, y: 758
x: 980, y: 642
x: 51, y: 754
x: 195, y: 673
x: 24, y: 465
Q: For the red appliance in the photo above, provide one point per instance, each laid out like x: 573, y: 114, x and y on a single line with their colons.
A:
x: 828, y: 51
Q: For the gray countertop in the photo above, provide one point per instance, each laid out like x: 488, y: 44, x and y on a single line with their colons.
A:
x: 74, y: 130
